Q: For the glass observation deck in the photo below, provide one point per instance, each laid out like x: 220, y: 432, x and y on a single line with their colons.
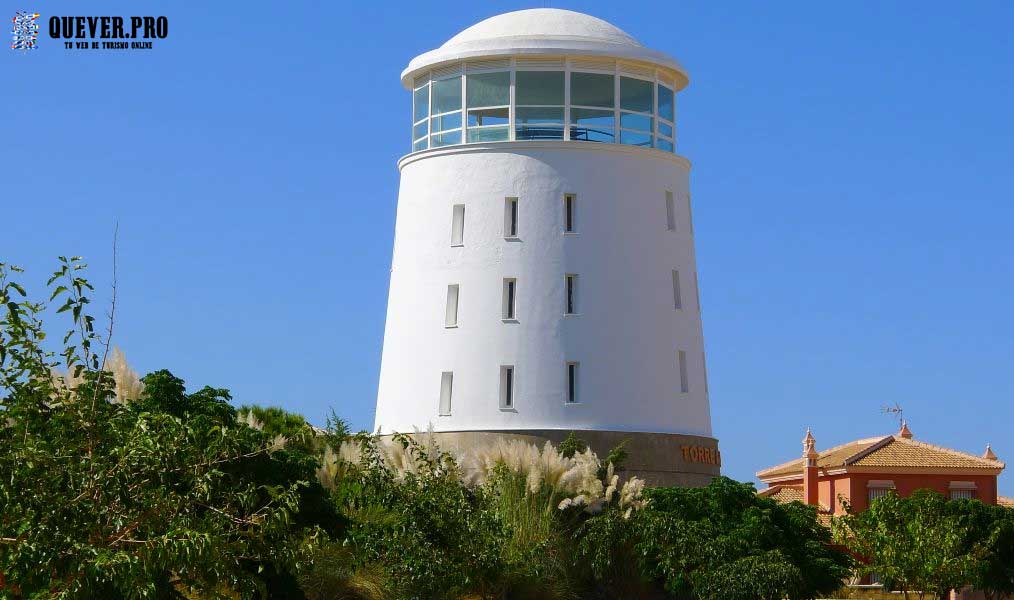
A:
x: 522, y: 99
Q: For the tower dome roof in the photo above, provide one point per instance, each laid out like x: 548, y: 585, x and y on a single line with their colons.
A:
x: 543, y: 23
x: 541, y: 31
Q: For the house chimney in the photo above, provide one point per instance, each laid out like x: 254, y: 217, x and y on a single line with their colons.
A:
x: 905, y: 431
x: 810, y: 491
x: 989, y: 454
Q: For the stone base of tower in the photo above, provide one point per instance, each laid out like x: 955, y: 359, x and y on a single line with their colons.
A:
x: 660, y: 459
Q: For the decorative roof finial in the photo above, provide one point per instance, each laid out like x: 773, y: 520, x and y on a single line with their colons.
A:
x: 989, y: 454
x: 905, y: 431
x: 809, y: 445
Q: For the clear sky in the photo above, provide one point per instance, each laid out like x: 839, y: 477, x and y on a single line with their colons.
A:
x: 852, y: 182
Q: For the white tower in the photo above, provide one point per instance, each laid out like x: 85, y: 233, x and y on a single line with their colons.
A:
x: 544, y: 276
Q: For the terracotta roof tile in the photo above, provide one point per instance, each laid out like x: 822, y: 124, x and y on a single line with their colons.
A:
x: 783, y: 494
x: 902, y: 452
x: 889, y: 451
x: 829, y: 459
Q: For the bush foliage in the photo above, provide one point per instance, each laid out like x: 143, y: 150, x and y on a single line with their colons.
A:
x: 114, y: 486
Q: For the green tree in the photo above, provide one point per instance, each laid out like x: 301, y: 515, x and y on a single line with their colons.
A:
x: 152, y: 499
x: 723, y: 541
x: 991, y: 539
x: 922, y: 544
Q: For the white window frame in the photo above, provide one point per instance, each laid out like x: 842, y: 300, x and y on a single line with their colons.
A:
x: 528, y: 68
x: 429, y: 105
x: 460, y: 110
x: 652, y: 116
x: 570, y: 106
x: 446, y: 393
x: 510, y: 299
x: 508, y: 387
x: 659, y: 136
x: 457, y: 225
x: 464, y: 101
x: 618, y: 68
x: 451, y: 308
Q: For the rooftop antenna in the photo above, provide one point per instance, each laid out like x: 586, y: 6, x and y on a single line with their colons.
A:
x: 895, y: 410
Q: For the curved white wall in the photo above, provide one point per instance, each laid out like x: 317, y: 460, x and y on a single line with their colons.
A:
x: 627, y: 332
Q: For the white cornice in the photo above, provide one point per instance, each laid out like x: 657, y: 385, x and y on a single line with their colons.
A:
x: 569, y: 145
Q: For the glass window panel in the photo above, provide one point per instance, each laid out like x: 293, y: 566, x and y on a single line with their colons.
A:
x: 632, y: 121
x: 446, y: 95
x: 634, y: 138
x: 419, y: 131
x: 666, y: 103
x: 420, y: 145
x: 539, y: 115
x: 448, y: 121
x: 538, y: 132
x: 665, y: 129
x: 421, y: 100
x: 488, y: 89
x: 594, y: 125
x: 488, y: 116
x: 589, y: 134
x: 488, y: 134
x: 538, y: 87
x: 664, y: 145
x: 636, y: 94
x: 592, y: 89
x: 445, y: 139
x: 587, y: 116
x: 539, y: 124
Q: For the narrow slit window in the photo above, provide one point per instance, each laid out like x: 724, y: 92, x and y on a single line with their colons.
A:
x: 458, y: 225
x: 571, y: 304
x: 704, y: 363
x: 670, y: 212
x: 510, y: 220
x: 677, y: 294
x: 446, y: 387
x: 697, y: 292
x: 451, y: 314
x: 681, y: 358
x: 570, y: 213
x: 572, y: 382
x: 690, y: 215
x: 507, y: 386
x: 510, y: 292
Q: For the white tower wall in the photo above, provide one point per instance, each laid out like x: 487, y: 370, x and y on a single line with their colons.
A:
x: 627, y: 332
x: 537, y: 105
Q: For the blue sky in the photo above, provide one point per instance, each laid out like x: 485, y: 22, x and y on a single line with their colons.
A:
x: 852, y: 180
